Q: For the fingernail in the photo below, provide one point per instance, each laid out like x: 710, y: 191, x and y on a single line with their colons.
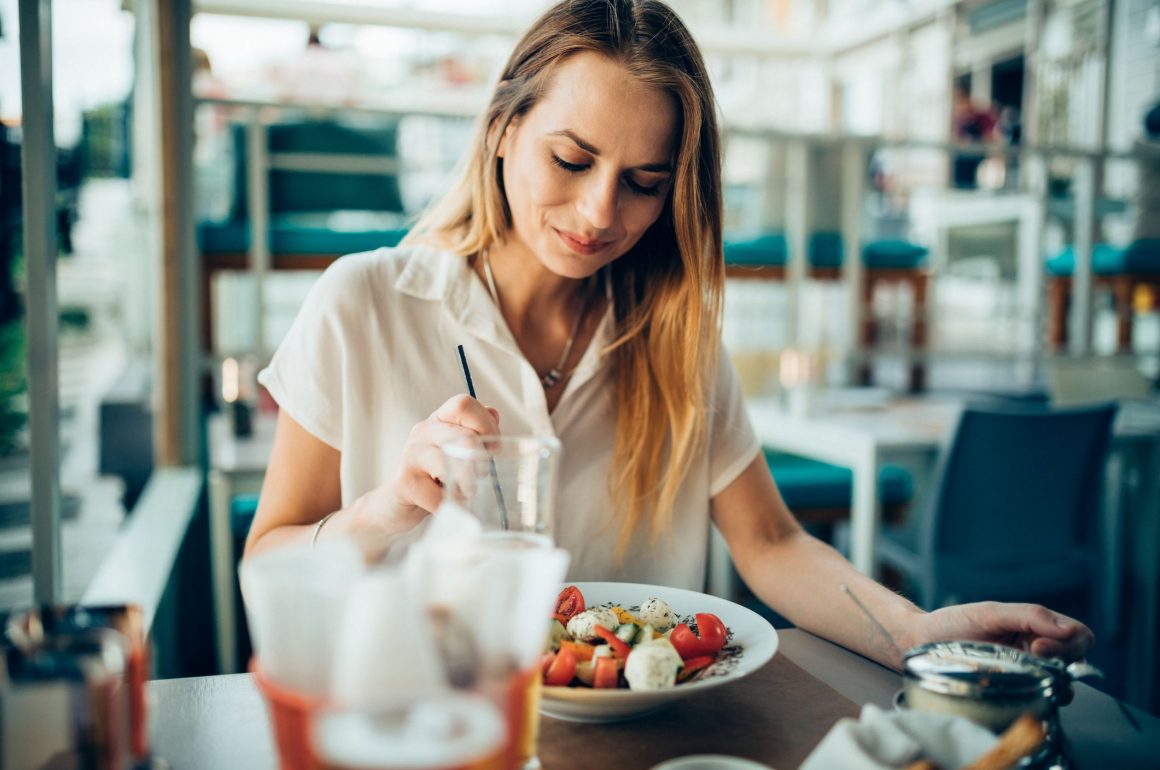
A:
x: 1063, y: 622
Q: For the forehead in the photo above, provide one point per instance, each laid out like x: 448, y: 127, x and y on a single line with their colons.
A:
x: 599, y: 100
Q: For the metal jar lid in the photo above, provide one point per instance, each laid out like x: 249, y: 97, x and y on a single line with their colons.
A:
x: 980, y: 670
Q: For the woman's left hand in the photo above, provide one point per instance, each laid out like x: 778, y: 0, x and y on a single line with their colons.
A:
x: 1029, y: 627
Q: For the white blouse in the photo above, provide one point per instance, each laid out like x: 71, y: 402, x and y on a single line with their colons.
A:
x: 373, y: 352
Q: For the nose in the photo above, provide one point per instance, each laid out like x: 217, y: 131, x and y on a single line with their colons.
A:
x: 599, y: 200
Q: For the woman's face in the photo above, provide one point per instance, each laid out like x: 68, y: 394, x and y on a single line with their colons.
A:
x: 588, y: 169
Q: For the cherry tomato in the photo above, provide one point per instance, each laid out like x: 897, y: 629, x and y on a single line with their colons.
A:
x: 685, y: 642
x: 688, y: 645
x: 712, y: 631
x: 570, y: 602
x: 561, y: 670
x: 619, y: 648
x: 606, y: 673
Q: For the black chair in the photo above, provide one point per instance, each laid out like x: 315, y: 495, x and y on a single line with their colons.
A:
x: 1014, y: 510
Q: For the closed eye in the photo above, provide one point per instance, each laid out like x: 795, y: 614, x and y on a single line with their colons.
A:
x: 575, y: 168
x: 635, y: 187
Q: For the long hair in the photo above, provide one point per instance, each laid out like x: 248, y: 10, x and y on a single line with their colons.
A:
x: 667, y: 290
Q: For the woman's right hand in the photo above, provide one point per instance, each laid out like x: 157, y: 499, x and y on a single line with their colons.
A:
x: 415, y: 491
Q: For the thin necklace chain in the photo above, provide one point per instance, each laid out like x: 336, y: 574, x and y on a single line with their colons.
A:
x: 557, y: 372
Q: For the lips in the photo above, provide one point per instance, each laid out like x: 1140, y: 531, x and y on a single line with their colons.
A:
x: 580, y: 244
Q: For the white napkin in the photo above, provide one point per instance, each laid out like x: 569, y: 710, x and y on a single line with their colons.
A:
x: 883, y: 740
x: 295, y: 598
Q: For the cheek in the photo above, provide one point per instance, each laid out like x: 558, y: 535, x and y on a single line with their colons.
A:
x: 640, y: 214
x: 531, y: 187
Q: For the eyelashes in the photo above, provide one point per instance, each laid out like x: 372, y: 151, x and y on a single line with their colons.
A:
x: 576, y: 168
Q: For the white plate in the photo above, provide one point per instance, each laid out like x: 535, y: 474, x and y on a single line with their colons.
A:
x: 751, y: 633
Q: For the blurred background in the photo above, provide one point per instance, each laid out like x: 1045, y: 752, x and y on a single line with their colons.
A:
x: 924, y: 199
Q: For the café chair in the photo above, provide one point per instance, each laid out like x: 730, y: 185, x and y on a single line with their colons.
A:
x: 819, y: 493
x: 887, y: 261
x: 242, y: 511
x: 1122, y: 270
x: 322, y: 205
x: 761, y: 256
x: 1014, y: 509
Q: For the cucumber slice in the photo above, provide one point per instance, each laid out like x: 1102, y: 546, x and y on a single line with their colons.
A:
x: 555, y: 633
x: 627, y: 632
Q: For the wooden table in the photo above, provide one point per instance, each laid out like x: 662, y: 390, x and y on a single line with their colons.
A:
x: 776, y: 715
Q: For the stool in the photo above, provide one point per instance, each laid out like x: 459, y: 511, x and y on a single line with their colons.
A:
x: 763, y: 256
x: 1122, y: 269
x: 887, y: 262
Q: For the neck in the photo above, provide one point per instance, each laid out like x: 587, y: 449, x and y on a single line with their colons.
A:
x: 530, y: 293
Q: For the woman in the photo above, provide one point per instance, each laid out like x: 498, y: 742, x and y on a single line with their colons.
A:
x: 579, y: 261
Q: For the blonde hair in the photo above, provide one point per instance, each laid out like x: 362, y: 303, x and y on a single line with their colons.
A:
x: 667, y: 289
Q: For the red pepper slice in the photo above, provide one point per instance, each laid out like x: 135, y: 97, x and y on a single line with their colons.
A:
x: 561, y: 670
x: 605, y: 674
x: 693, y: 665
x: 570, y: 602
x: 619, y: 648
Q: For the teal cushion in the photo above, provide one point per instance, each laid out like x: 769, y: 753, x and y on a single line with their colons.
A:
x: 810, y: 484
x: 295, y: 236
x: 1141, y: 256
x: 893, y: 254
x: 825, y: 251
x: 768, y: 250
x: 242, y: 510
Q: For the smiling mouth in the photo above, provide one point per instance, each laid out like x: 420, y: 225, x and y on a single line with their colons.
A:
x: 582, y: 245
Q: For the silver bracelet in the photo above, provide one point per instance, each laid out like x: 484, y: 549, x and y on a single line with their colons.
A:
x: 318, y: 527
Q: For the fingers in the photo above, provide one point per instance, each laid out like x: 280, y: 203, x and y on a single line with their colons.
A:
x: 467, y: 412
x: 417, y: 482
x: 1043, y: 632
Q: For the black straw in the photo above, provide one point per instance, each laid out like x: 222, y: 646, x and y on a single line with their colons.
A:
x: 466, y: 372
x: 503, y: 517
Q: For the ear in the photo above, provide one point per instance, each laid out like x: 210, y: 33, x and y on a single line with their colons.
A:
x: 505, y: 140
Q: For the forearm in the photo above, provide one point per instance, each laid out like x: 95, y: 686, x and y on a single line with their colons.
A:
x: 357, y: 522
x: 801, y: 577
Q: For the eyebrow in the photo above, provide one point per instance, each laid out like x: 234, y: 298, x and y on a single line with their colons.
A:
x: 590, y: 148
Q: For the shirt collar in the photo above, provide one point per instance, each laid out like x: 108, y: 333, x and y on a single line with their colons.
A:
x: 443, y: 276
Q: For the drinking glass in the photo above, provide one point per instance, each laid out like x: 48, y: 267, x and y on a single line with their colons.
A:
x: 440, y: 731
x: 490, y: 599
x: 507, y: 482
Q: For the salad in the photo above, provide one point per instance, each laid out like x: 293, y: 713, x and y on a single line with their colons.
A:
x: 641, y: 648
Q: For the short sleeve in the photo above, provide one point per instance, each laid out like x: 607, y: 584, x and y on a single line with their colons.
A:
x: 732, y: 441
x: 305, y: 376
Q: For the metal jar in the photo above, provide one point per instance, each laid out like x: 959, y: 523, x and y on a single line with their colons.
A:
x: 990, y: 684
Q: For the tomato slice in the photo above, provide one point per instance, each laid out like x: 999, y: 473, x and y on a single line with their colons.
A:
x: 606, y: 673
x: 712, y: 632
x: 689, y: 645
x: 561, y: 670
x: 693, y: 665
x: 619, y: 648
x: 570, y: 602
x: 685, y: 642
